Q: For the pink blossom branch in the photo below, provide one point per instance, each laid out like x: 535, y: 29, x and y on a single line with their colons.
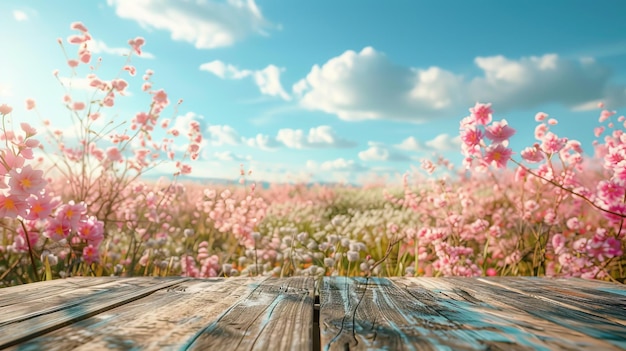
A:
x: 589, y: 201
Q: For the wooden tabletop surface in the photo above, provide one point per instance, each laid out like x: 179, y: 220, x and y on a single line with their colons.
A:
x: 304, y: 313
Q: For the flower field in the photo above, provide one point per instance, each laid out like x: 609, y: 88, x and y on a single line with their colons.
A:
x: 81, y: 204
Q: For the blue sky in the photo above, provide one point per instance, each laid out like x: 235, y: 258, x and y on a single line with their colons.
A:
x: 334, y: 90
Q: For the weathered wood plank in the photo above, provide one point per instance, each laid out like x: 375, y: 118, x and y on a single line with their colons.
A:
x: 375, y: 313
x: 36, y: 304
x: 356, y: 313
x: 21, y: 294
x: 220, y: 314
x: 606, y: 289
x: 276, y: 315
x: 502, y: 323
x: 575, y: 296
x: 587, y: 331
x: 20, y: 322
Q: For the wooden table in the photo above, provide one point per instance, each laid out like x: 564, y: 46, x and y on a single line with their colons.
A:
x: 304, y: 313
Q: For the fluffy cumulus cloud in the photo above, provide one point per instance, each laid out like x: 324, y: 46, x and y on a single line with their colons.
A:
x: 263, y: 142
x: 267, y: 79
x: 98, y: 46
x: 5, y: 90
x: 317, y: 137
x: 441, y: 142
x: 444, y: 142
x: 219, y: 135
x: 230, y: 156
x: 380, y: 152
x: 20, y: 16
x: 337, y: 165
x: 367, y: 85
x: 182, y: 124
x: 207, y: 24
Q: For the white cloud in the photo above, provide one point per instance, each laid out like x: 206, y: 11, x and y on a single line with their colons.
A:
x: 230, y: 156
x: 20, y: 15
x: 182, y: 123
x: 380, y: 152
x: 76, y: 83
x: 225, y: 71
x: 5, y: 90
x: 267, y: 79
x: 318, y: 137
x: 263, y: 142
x: 367, y: 85
x: 223, y: 135
x: 337, y: 165
x: 207, y: 24
x: 98, y: 46
x: 444, y: 142
x: 410, y: 144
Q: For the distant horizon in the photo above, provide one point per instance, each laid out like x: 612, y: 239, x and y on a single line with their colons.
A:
x: 330, y: 92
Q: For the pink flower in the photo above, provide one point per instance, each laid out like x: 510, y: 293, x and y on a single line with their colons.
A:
x: 481, y: 113
x: 610, y: 191
x: 30, y: 104
x: 78, y: 26
x: 605, y: 115
x: 131, y: 70
x: 72, y: 213
x: 471, y: 136
x: 85, y: 56
x: 77, y: 106
x: 119, y: 84
x: 498, y: 155
x: 491, y: 272
x: 540, y: 116
x: 5, y: 109
x: 573, y: 223
x: 27, y: 181
x: 76, y: 39
x: 11, y: 160
x: 136, y: 44
x: 91, y: 230
x: 90, y: 254
x: 558, y: 243
x: 12, y: 206
x: 540, y: 131
x: 72, y: 63
x: 551, y: 143
x: 532, y: 154
x: 30, y: 131
x: 114, y: 154
x: 499, y: 131
x: 160, y: 97
x: 41, y: 207
x: 57, y: 229
x: 619, y: 172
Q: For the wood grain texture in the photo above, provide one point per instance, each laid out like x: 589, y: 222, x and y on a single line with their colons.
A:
x: 565, y: 327
x: 23, y: 321
x: 375, y: 313
x: 572, y: 293
x: 220, y: 314
x: 276, y: 314
x: 446, y: 313
x: 21, y: 294
x: 261, y: 313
